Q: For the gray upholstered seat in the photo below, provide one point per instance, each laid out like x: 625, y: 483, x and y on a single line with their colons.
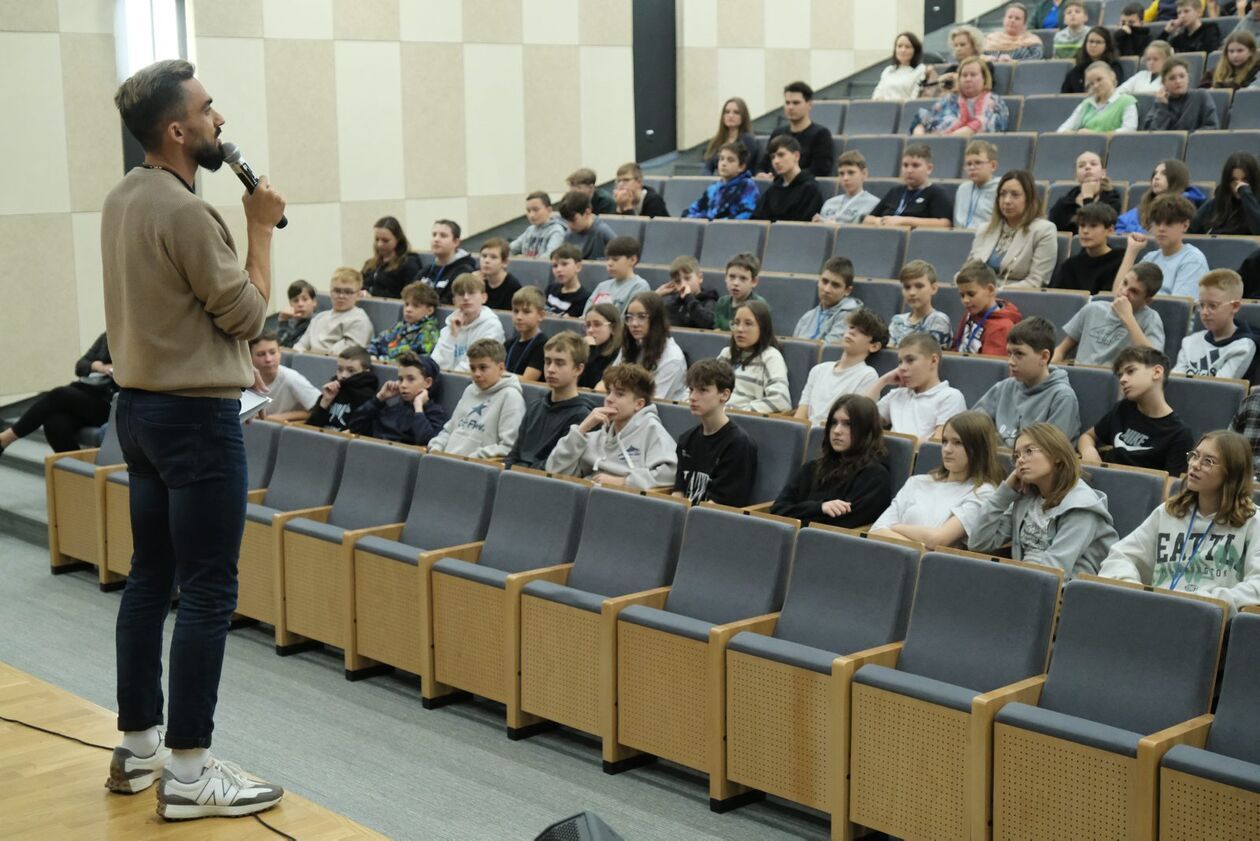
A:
x: 1131, y: 495
x: 788, y: 297
x: 110, y: 451
x: 682, y: 191
x: 880, y: 296
x: 1039, y: 77
x: 875, y: 252
x: 318, y: 369
x: 1204, y: 403
x: 947, y: 153
x: 946, y: 250
x: 1057, y: 154
x: 725, y: 238
x: 780, y: 451
x: 1244, y: 110
x: 1015, y: 149
x: 868, y: 117
x: 384, y: 313
x: 973, y: 375
x: 882, y: 152
x: 307, y: 471
x: 624, y: 226
x: 534, y: 272
x: 1205, y: 150
x: 1056, y: 307
x: 1046, y: 112
x: 375, y: 479
x: 1132, y: 156
x: 261, y: 440
x: 665, y: 238
x: 829, y: 114
x: 800, y: 356
x: 797, y: 248
x: 1096, y: 392
x: 1224, y: 252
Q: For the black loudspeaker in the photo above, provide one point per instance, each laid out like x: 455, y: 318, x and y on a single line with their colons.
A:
x: 584, y: 826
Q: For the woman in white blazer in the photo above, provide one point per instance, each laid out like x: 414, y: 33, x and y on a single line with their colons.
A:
x: 1018, y: 244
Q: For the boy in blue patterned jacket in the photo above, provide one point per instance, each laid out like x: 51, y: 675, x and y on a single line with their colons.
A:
x: 416, y: 333
x: 734, y: 195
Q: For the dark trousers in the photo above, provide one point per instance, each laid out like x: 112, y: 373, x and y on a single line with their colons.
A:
x: 186, y: 457
x: 62, y: 412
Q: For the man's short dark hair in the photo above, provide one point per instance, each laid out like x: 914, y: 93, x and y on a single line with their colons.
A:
x: 633, y: 378
x: 783, y: 141
x: 568, y: 251
x: 800, y: 87
x: 453, y: 226
x: 1132, y: 9
x: 1148, y: 356
x: 841, y: 266
x: 1097, y: 213
x: 1036, y: 332
x: 541, y: 195
x: 739, y: 150
x: 922, y: 151
x: 264, y: 336
x: 623, y: 246
x: 871, y: 324
x: 297, y: 287
x: 573, y: 204
x: 711, y: 372
x: 153, y: 98
x: 358, y: 354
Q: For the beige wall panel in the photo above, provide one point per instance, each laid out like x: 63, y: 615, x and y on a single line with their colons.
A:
x: 89, y: 286
x: 228, y: 18
x: 93, y: 128
x: 369, y: 120
x: 232, y: 69
x: 431, y: 20
x: 741, y: 23
x: 41, y: 329
x: 698, y: 99
x: 495, y: 145
x: 86, y: 16
x: 742, y: 72
x: 831, y: 26
x: 698, y: 23
x: 549, y: 21
x: 33, y: 173
x: 357, y: 218
x: 421, y: 214
x: 606, y: 23
x: 366, y: 20
x: 298, y: 18
x: 553, y: 116
x: 827, y: 66
x: 783, y: 66
x: 301, y: 88
x: 488, y: 211
x: 492, y: 21
x: 28, y: 15
x: 310, y: 247
x: 433, y: 117
x: 607, y: 108
x: 787, y: 24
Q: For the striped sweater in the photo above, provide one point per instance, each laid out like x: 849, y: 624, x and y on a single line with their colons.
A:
x: 760, y: 385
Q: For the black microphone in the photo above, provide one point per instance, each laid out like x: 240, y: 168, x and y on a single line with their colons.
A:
x: 232, y: 157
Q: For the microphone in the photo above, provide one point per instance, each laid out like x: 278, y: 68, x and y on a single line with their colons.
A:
x: 232, y: 157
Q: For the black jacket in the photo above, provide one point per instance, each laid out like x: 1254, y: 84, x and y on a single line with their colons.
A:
x: 1205, y: 39
x: 1244, y: 221
x: 692, y: 311
x: 355, y: 391
x: 1196, y: 110
x: 870, y: 492
x: 795, y: 202
x: 818, y: 155
x: 1134, y: 43
x: 653, y: 205
x: 397, y: 420
x: 441, y: 277
x: 1063, y: 213
x: 92, y: 382
x: 720, y: 468
x: 544, y: 424
x: 388, y: 283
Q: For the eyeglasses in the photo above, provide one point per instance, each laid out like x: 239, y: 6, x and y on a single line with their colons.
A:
x: 636, y: 317
x: 1212, y: 306
x: 1028, y: 452
x: 1207, y: 462
x: 343, y: 292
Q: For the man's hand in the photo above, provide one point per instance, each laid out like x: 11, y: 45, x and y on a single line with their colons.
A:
x: 608, y: 479
x: 456, y: 323
x: 259, y: 386
x: 105, y: 368
x: 388, y: 390
x: 329, y: 393
x: 623, y: 198
x: 892, y: 378
x: 264, y: 206
x: 598, y: 417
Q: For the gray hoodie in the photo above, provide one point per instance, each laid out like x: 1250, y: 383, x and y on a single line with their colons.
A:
x: 1074, y: 535
x: 643, y: 452
x: 485, y: 423
x: 541, y: 240
x: 1013, y: 406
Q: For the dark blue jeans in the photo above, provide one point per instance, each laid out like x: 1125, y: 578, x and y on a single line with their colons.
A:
x: 186, y: 457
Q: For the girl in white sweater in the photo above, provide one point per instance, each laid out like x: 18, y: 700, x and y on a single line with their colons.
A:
x: 647, y: 342
x: 903, y: 77
x: 1206, y: 539
x: 761, y: 378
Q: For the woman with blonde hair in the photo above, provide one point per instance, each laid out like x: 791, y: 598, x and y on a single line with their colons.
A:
x: 1105, y: 109
x: 966, y: 41
x: 973, y: 108
x: 1149, y: 78
x: 735, y: 125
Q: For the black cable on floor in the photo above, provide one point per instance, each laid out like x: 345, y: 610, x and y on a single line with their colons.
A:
x: 256, y: 816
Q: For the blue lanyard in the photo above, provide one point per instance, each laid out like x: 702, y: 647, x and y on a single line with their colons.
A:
x: 905, y: 199
x: 818, y: 322
x: 979, y: 325
x: 1179, y: 569
x: 975, y: 199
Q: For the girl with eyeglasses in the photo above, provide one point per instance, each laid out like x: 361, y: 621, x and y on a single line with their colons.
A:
x: 646, y: 341
x: 1206, y: 538
x: 761, y: 375
x: 1045, y: 509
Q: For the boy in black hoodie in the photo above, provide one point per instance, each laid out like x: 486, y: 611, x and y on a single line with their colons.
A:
x: 405, y: 409
x: 547, y: 420
x: 717, y: 461
x: 794, y: 195
x: 354, y: 385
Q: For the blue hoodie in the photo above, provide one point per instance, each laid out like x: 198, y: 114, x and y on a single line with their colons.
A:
x: 1128, y: 222
x: 733, y: 199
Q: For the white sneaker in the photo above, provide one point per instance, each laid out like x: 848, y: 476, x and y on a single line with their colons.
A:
x: 130, y: 774
x: 222, y: 790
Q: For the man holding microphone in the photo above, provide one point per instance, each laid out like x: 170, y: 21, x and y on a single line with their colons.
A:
x: 179, y: 311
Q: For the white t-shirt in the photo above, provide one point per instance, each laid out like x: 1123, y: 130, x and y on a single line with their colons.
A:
x: 290, y: 392
x: 825, y: 384
x: 920, y: 413
x: 924, y: 501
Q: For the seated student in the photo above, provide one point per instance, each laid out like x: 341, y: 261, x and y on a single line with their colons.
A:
x: 1045, y: 510
x: 472, y: 320
x: 549, y: 418
x: 1069, y: 40
x: 1017, y: 244
x: 794, y: 195
x: 851, y: 202
x: 903, y: 76
x: 291, y: 322
x: 1178, y: 106
x: 1093, y: 268
x: 646, y: 342
x: 525, y: 349
x: 1141, y: 430
x: 987, y: 319
x: 1098, y: 45
x: 1187, y: 33
x: 1102, y: 328
x: 1035, y: 392
x: 1092, y: 185
x: 1246, y: 422
x: 1233, y: 208
x: 818, y: 155
x: 977, y: 196
x: 918, y: 287
x: 717, y: 461
x: 734, y: 195
x: 1104, y: 110
x: 65, y: 410
x: 1131, y: 36
x: 565, y: 295
x: 501, y: 285
x: 917, y: 203
x: 940, y: 508
x: 687, y: 302
x: 545, y: 232
x: 1238, y: 66
x: 848, y: 484
x: 742, y: 272
x: 353, y: 385
x: 826, y: 322
x: 393, y: 264
x: 583, y: 181
x: 972, y: 109
x: 343, y: 325
x: 622, y: 442
x: 920, y: 401
x: 489, y: 413
x: 623, y: 283
x: 735, y: 125
x: 1181, y: 264
x: 634, y: 199
x: 761, y: 377
x: 587, y: 232
x: 1226, y: 347
x: 1013, y: 42
x: 449, y: 260
x: 416, y: 333
x: 603, y: 335
x: 865, y: 335
x: 292, y: 394
x: 1150, y: 78
x: 407, y: 409
x: 1170, y: 177
x: 1206, y: 539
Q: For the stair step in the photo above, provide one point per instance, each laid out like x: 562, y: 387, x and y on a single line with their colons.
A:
x: 23, y: 503
x: 26, y: 456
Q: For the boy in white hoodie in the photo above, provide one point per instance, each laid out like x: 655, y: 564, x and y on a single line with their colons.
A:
x: 622, y: 442
x: 472, y: 320
x: 488, y: 415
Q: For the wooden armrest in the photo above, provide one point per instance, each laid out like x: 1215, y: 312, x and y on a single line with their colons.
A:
x: 882, y: 655
x: 650, y: 598
x: 1144, y: 796
x: 390, y: 531
x: 1193, y: 732
x: 88, y: 455
x: 763, y: 507
x: 256, y: 496
x: 1251, y: 608
x: 102, y: 472
x: 470, y: 552
x: 764, y: 624
x: 1027, y: 691
x: 558, y: 574
x: 319, y: 513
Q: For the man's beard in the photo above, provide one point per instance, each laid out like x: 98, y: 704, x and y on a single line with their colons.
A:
x: 209, y: 156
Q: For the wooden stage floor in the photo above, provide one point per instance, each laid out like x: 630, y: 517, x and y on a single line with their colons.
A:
x: 52, y: 788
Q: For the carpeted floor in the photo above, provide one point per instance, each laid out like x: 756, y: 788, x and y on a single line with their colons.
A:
x: 368, y: 749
